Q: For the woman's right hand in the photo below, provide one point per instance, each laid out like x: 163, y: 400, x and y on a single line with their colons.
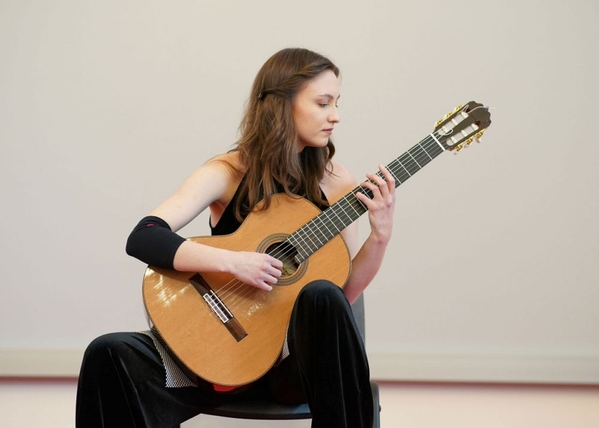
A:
x: 257, y: 269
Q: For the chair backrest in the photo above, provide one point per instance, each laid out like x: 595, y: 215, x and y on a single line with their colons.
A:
x: 358, y: 310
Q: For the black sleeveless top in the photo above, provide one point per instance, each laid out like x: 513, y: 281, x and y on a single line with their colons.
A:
x: 228, y: 223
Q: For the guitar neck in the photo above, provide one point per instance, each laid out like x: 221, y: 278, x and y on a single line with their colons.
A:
x: 328, y: 224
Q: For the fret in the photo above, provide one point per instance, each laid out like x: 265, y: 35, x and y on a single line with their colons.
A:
x: 328, y: 224
x: 414, y: 159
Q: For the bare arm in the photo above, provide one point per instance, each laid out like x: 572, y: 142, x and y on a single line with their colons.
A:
x: 207, y: 187
x: 368, y: 259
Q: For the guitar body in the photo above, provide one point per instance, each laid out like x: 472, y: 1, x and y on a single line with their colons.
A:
x: 230, y: 333
x: 200, y: 339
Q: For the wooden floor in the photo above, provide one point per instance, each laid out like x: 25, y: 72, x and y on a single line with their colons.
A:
x: 37, y: 403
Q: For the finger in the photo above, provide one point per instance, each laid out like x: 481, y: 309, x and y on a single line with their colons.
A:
x: 273, y: 278
x: 274, y: 272
x: 389, y: 178
x: 364, y: 196
x: 263, y: 285
x: 372, y: 190
x: 377, y: 185
x: 365, y: 200
x: 386, y: 183
x: 276, y: 263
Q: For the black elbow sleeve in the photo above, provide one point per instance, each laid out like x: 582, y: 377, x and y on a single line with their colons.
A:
x: 153, y: 242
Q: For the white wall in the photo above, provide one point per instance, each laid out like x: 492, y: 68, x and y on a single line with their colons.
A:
x: 106, y: 106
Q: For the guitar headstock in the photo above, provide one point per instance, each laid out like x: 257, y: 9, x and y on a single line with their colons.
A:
x: 459, y: 128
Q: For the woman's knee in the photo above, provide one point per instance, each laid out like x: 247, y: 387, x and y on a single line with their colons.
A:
x: 108, y: 346
x: 106, y: 342
x: 323, y: 293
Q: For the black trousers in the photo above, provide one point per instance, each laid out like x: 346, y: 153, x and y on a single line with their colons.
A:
x: 122, y: 379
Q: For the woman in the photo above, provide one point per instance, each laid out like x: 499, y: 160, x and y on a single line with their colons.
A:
x: 285, y: 146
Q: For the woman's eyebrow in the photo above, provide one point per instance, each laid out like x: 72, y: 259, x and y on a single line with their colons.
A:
x: 329, y: 96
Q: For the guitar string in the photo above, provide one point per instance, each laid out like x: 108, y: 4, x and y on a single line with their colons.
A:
x: 414, y: 156
x: 429, y: 140
x: 228, y: 289
x: 231, y: 287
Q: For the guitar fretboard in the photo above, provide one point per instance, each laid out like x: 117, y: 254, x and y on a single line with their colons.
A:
x: 328, y: 224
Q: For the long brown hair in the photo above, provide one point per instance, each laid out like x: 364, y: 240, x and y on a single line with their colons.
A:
x: 268, y: 143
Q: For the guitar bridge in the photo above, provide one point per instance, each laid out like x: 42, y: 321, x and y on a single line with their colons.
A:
x: 218, y: 307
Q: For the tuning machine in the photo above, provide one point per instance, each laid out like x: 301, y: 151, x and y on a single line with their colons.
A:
x: 448, y: 115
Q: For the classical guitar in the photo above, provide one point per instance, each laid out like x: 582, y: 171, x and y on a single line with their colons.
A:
x: 230, y: 333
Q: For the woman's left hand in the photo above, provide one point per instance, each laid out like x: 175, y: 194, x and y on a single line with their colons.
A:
x: 382, y: 204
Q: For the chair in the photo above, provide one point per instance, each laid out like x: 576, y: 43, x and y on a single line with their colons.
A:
x: 270, y: 410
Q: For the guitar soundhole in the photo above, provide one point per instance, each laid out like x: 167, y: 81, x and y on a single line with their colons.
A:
x: 284, y: 251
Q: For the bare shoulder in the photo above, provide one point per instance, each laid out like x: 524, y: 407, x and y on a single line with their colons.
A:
x: 218, y: 177
x: 229, y: 161
x: 211, y: 185
x: 337, y: 182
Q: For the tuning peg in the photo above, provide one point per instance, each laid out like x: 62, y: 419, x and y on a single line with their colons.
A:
x: 479, y: 135
x: 458, y: 108
x: 458, y: 148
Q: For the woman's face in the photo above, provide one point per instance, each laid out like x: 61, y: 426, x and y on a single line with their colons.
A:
x: 315, y: 111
